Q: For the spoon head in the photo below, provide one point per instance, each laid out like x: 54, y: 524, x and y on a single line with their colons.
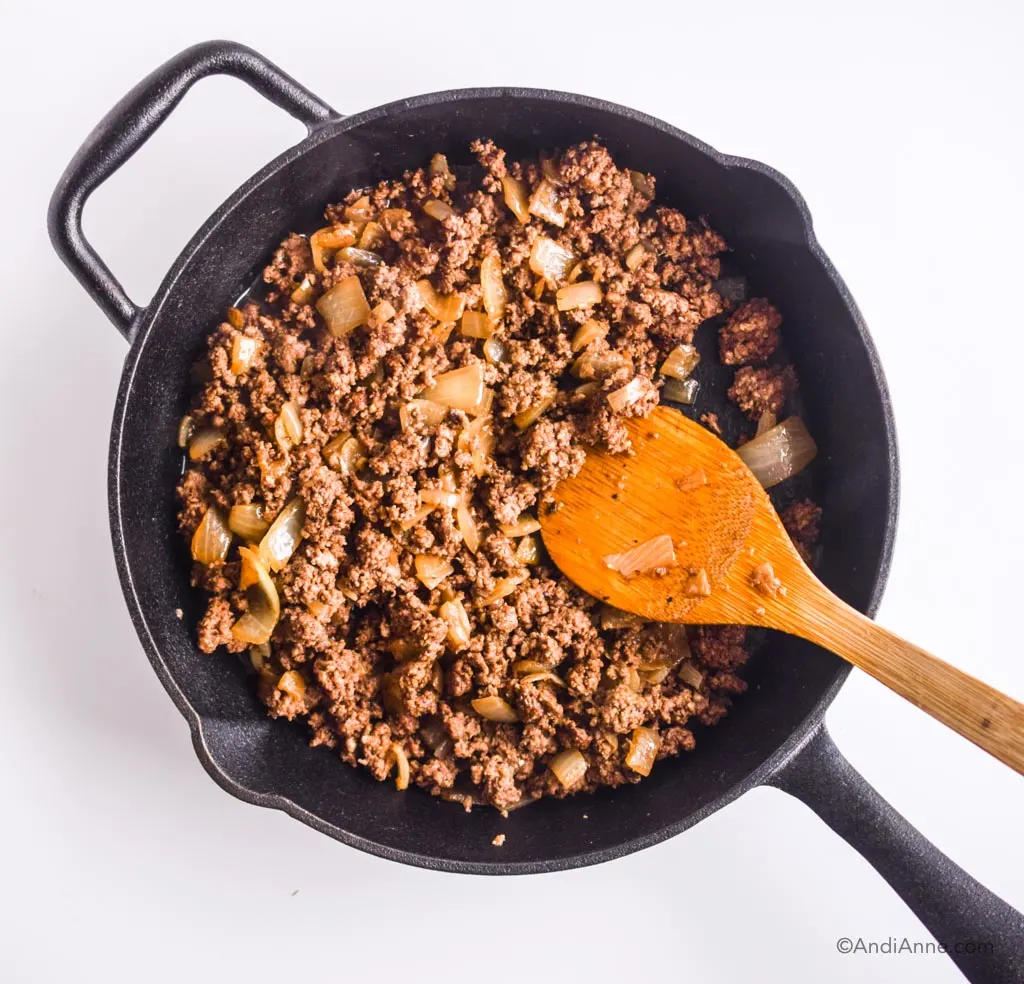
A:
x: 684, y: 482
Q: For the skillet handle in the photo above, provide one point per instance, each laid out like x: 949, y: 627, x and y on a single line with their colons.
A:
x: 128, y: 126
x: 958, y: 911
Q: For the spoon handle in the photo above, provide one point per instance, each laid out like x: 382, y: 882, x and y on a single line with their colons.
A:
x: 983, y: 715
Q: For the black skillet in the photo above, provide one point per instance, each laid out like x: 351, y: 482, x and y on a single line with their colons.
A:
x: 775, y: 736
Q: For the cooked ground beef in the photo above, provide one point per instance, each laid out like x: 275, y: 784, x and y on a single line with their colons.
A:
x: 762, y: 390
x: 803, y: 523
x: 416, y: 588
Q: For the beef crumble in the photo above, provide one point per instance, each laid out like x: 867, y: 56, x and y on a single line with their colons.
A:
x: 400, y: 414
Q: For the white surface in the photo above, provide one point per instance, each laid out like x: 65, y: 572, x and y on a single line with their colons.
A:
x: 123, y: 861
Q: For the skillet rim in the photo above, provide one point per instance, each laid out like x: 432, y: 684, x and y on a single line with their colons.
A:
x: 148, y: 318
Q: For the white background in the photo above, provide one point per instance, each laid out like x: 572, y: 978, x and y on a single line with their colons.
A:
x: 900, y: 123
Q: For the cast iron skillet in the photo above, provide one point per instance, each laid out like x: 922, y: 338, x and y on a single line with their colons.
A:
x: 776, y: 736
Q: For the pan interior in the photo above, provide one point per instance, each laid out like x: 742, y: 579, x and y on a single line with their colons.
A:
x: 843, y: 404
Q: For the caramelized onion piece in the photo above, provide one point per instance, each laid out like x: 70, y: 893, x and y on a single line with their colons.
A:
x: 460, y: 389
x: 681, y: 390
x: 495, y: 351
x: 495, y: 709
x: 523, y: 667
x: 373, y: 236
x: 569, y: 767
x: 445, y: 498
x: 615, y: 618
x: 547, y: 204
x: 503, y: 587
x: 424, y: 413
x: 551, y: 261
x: 437, y: 209
x: 360, y: 211
x: 360, y: 257
x: 779, y: 453
x: 459, y: 629
x: 259, y: 656
x: 447, y: 308
x: 532, y: 414
x: 493, y: 286
x: 417, y: 517
x: 527, y: 552
x: 467, y: 525
x: 243, y: 352
x: 288, y: 426
x: 305, y: 292
x: 584, y: 293
x: 643, y: 183
x: 212, y: 538
x: 235, y: 318
x: 439, y: 168
x: 541, y: 676
x: 591, y: 366
x: 397, y: 755
x: 690, y: 675
x: 330, y: 239
x: 476, y: 324
x: 524, y: 524
x: 185, y: 428
x: 204, y: 441
x: 643, y: 750
x: 477, y: 439
x: 647, y: 556
x: 590, y: 331
x: 259, y: 587
x: 681, y: 362
x: 345, y: 454
x: 431, y: 570
x: 277, y: 547
x: 344, y: 306
x: 247, y: 521
x: 381, y: 314
x: 627, y: 395
x: 765, y: 422
x: 516, y: 198
x: 251, y: 630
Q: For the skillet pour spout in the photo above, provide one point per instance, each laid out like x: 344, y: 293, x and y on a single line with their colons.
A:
x: 776, y: 737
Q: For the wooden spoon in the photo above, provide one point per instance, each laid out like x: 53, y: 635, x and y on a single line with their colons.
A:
x: 685, y: 482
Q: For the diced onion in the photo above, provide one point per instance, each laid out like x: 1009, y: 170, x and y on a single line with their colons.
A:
x: 591, y: 366
x: 331, y: 238
x: 360, y: 210
x: 681, y: 362
x: 288, y: 426
x: 524, y: 667
x: 467, y: 525
x: 779, y: 453
x: 765, y: 422
x: 344, y: 307
x: 655, y: 673
x: 431, y: 570
x: 615, y: 618
x: 255, y: 580
x: 212, y: 538
x: 524, y: 525
x: 699, y: 585
x: 627, y: 395
x: 532, y: 414
x: 425, y: 413
x: 437, y: 209
x: 516, y: 198
x: 541, y: 676
x: 495, y: 709
x: 185, y: 428
x: 681, y: 390
x: 551, y: 261
x: 493, y: 286
x: 483, y: 408
x: 569, y: 767
x: 243, y: 352
x: 476, y: 324
x: 346, y: 454
x: 643, y: 183
x: 445, y: 498
x: 247, y: 521
x: 589, y: 331
x: 477, y: 439
x: 235, y: 318
x: 305, y: 292
x: 381, y: 314
x: 690, y: 675
x: 439, y: 168
x: 546, y: 204
x: 417, y: 517
x: 503, y: 587
x: 277, y: 547
x: 204, y: 441
x: 636, y: 256
x: 435, y: 736
x: 460, y: 389
x: 495, y: 351
x: 586, y: 390
x: 459, y: 629
x: 447, y: 308
x: 360, y: 257
x: 372, y: 236
x: 647, y: 556
x: 643, y: 750
x: 252, y: 630
x: 583, y: 294
x: 527, y: 552
x: 401, y: 761
x: 259, y: 656
x: 549, y: 167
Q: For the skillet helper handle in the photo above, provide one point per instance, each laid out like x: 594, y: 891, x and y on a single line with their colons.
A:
x: 982, y: 934
x: 128, y: 126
